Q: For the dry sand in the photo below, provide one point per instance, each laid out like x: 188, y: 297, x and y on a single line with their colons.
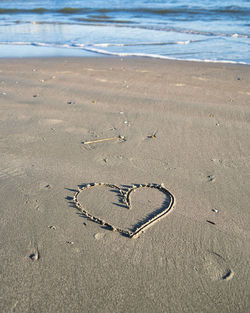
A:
x: 185, y: 125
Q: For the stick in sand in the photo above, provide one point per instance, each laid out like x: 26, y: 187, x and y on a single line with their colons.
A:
x: 104, y: 139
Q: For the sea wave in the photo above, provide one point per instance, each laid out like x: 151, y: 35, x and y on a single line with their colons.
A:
x: 144, y: 44
x: 133, y: 25
x: 98, y: 49
x: 157, y: 56
x: 103, y: 20
x: 103, y: 45
x: 190, y: 31
x: 230, y: 10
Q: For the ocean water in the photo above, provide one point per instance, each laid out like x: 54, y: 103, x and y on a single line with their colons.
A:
x: 206, y: 30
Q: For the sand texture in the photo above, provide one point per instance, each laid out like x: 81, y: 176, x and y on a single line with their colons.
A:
x: 129, y: 125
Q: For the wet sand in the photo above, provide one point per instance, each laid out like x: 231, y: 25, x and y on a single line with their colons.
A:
x: 70, y: 122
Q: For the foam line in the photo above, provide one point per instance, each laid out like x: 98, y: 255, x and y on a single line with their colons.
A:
x: 91, y: 48
x: 156, y: 56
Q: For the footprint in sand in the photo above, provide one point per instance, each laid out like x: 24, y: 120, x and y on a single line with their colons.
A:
x: 99, y: 236
x: 232, y: 163
x: 45, y: 186
x: 217, y: 161
x: 216, y: 267
x: 112, y: 160
x: 11, y: 172
x: 147, y: 163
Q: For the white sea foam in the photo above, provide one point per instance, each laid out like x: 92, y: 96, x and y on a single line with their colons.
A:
x: 160, y: 43
x: 156, y: 56
x: 239, y: 36
x: 95, y: 48
x: 108, y: 45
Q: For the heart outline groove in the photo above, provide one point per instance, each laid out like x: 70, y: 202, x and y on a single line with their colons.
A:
x: 126, y: 199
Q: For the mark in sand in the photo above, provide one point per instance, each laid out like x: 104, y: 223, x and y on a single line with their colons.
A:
x: 217, y: 161
x: 210, y: 222
x: 11, y: 172
x: 35, y: 256
x: 99, y: 236
x: 211, y: 178
x: 217, y: 267
x: 45, y: 186
x: 228, y: 275
x: 126, y: 200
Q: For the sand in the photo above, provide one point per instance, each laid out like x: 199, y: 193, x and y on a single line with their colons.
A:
x: 183, y: 124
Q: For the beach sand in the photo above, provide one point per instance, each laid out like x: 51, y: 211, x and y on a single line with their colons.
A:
x: 183, y: 124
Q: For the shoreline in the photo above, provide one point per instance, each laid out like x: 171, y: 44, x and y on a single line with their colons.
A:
x: 143, y: 57
x: 143, y: 121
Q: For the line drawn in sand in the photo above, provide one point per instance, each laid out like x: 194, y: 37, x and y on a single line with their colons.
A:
x: 126, y: 200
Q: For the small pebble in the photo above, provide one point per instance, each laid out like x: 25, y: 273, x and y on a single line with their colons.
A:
x: 52, y: 227
x: 34, y: 256
x: 70, y: 242
x: 215, y: 210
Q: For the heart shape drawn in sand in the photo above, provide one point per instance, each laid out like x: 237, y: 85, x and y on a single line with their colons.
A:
x: 126, y: 199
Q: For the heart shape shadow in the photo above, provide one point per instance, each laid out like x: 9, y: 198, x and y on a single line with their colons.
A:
x: 125, y: 198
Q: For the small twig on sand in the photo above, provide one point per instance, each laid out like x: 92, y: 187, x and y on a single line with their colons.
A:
x: 152, y: 136
x: 104, y: 139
